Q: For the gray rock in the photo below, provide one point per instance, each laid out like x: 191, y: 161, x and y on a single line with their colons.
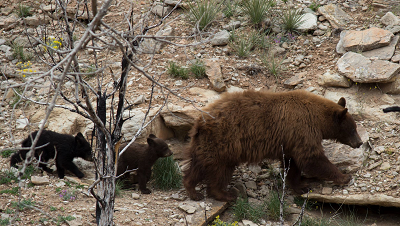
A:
x: 385, y: 166
x: 139, y: 100
x: 255, y: 168
x: 5, y: 48
x: 7, y: 21
x: 396, y: 58
x: 206, y: 95
x: 294, y: 81
x: 248, y: 223
x: 21, y: 123
x: 152, y: 46
x: 161, y: 10
x: 335, y: 15
x: 180, y: 121
x: 38, y: 180
x: 133, y: 124
x: 2, y: 41
x: 233, y: 89
x: 308, y: 22
x: 135, y: 196
x: 251, y: 185
x: 358, y: 199
x: 35, y: 20
x: 395, y: 29
x: 326, y: 190
x: 365, y: 40
x: 360, y: 69
x: 334, y: 79
x: 383, y: 53
x: 232, y: 25
x: 221, y: 38
x: 391, y: 87
x: 188, y: 208
x: 214, y: 74
x: 390, y: 19
x: 241, y: 189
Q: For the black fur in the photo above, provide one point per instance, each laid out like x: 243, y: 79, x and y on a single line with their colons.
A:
x: 390, y: 109
x: 68, y: 147
x: 142, y: 157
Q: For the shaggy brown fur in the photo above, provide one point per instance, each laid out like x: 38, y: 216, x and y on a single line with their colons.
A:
x: 142, y: 157
x: 251, y: 126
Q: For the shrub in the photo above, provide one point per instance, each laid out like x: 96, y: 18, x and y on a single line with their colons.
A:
x: 243, y: 210
x: 230, y: 8
x: 203, y: 12
x: 19, y: 52
x: 256, y: 9
x: 241, y: 44
x: 274, y: 67
x: 273, y: 206
x: 166, y: 174
x: 23, y: 11
x: 67, y: 195
x: 292, y: 19
x: 198, y: 70
x: 7, y: 153
x: 177, y: 71
x: 25, y: 203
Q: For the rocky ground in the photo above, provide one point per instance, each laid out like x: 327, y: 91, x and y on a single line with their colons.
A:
x: 311, y: 60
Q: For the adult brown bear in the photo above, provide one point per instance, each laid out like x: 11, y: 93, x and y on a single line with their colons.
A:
x: 251, y: 126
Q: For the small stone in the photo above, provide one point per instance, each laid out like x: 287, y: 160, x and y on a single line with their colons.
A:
x: 326, y: 190
x: 385, y: 166
x: 251, y: 185
x: 345, y: 192
x: 135, y: 196
x: 37, y: 180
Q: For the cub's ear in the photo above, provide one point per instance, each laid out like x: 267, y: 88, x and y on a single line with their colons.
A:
x: 79, y: 137
x: 342, y: 102
x: 152, y: 136
x: 151, y: 142
x: 341, y: 114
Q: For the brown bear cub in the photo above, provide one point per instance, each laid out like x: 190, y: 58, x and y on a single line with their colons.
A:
x: 68, y: 147
x: 142, y: 157
x: 250, y: 126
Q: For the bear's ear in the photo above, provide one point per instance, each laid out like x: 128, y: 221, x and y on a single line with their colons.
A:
x: 151, y: 142
x: 152, y: 136
x: 79, y: 137
x: 342, y: 102
x: 342, y: 113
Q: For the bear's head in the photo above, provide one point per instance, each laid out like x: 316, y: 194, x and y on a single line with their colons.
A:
x: 159, y: 146
x: 82, y: 147
x: 346, y: 126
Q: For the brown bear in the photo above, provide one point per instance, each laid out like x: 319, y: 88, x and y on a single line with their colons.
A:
x: 142, y: 157
x: 251, y: 126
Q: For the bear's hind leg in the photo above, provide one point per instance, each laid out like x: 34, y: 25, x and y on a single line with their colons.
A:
x: 69, y: 165
x: 190, y: 179
x: 218, y: 182
x: 294, y: 177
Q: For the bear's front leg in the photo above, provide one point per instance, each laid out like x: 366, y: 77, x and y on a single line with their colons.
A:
x: 142, y: 175
x: 73, y: 168
x: 294, y: 177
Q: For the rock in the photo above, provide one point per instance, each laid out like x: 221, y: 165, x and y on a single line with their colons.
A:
x: 21, y: 123
x: 214, y: 74
x: 383, y: 53
x: 334, y: 79
x: 5, y: 48
x: 396, y: 58
x: 139, y: 100
x: 37, y: 180
x: 232, y: 25
x: 188, y: 208
x: 205, y: 95
x: 294, y: 81
x: 255, y: 168
x: 366, y: 39
x: 308, y: 22
x: 390, y: 19
x: 359, y: 199
x: 161, y: 10
x: 233, y: 89
x: 180, y: 120
x: 392, y: 87
x: 251, y: 185
x: 73, y: 179
x: 35, y: 20
x: 8, y: 21
x: 385, y: 166
x: 135, y: 196
x: 248, y: 223
x: 360, y: 69
x: 241, y: 190
x: 395, y: 29
x: 133, y: 124
x: 335, y: 15
x: 326, y: 190
x: 60, y: 184
x: 221, y: 38
x: 151, y: 46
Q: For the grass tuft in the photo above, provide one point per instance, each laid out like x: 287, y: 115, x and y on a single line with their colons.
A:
x: 203, y: 12
x: 177, y: 71
x: 242, y: 209
x: 256, y: 10
x: 292, y: 19
x: 166, y: 174
x: 23, y: 11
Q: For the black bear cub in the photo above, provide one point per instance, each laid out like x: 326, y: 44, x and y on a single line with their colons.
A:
x: 142, y: 157
x: 68, y: 147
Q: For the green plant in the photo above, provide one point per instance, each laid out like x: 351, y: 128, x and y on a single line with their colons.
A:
x: 219, y: 222
x: 310, y: 205
x: 166, y: 174
x: 62, y: 219
x: 7, y: 176
x: 19, y: 52
x: 309, y: 221
x: 79, y: 186
x: 12, y: 191
x: 7, y: 153
x: 25, y: 203
x: 314, y: 6
x: 241, y: 45
x: 177, y: 71
x: 273, y: 206
x: 67, y: 195
x: 9, y: 211
x: 119, y: 188
x: 230, y: 7
x: 5, y: 221
x: 198, y: 69
x: 274, y: 67
x: 243, y: 210
x: 52, y: 208
x: 349, y: 218
x: 292, y: 19
x: 203, y: 12
x: 256, y: 10
x: 23, y: 11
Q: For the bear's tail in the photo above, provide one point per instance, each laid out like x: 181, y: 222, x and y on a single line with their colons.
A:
x: 390, y: 109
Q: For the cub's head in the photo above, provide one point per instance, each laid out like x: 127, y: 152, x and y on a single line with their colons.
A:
x: 82, y: 147
x: 159, y: 146
x: 346, y: 126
